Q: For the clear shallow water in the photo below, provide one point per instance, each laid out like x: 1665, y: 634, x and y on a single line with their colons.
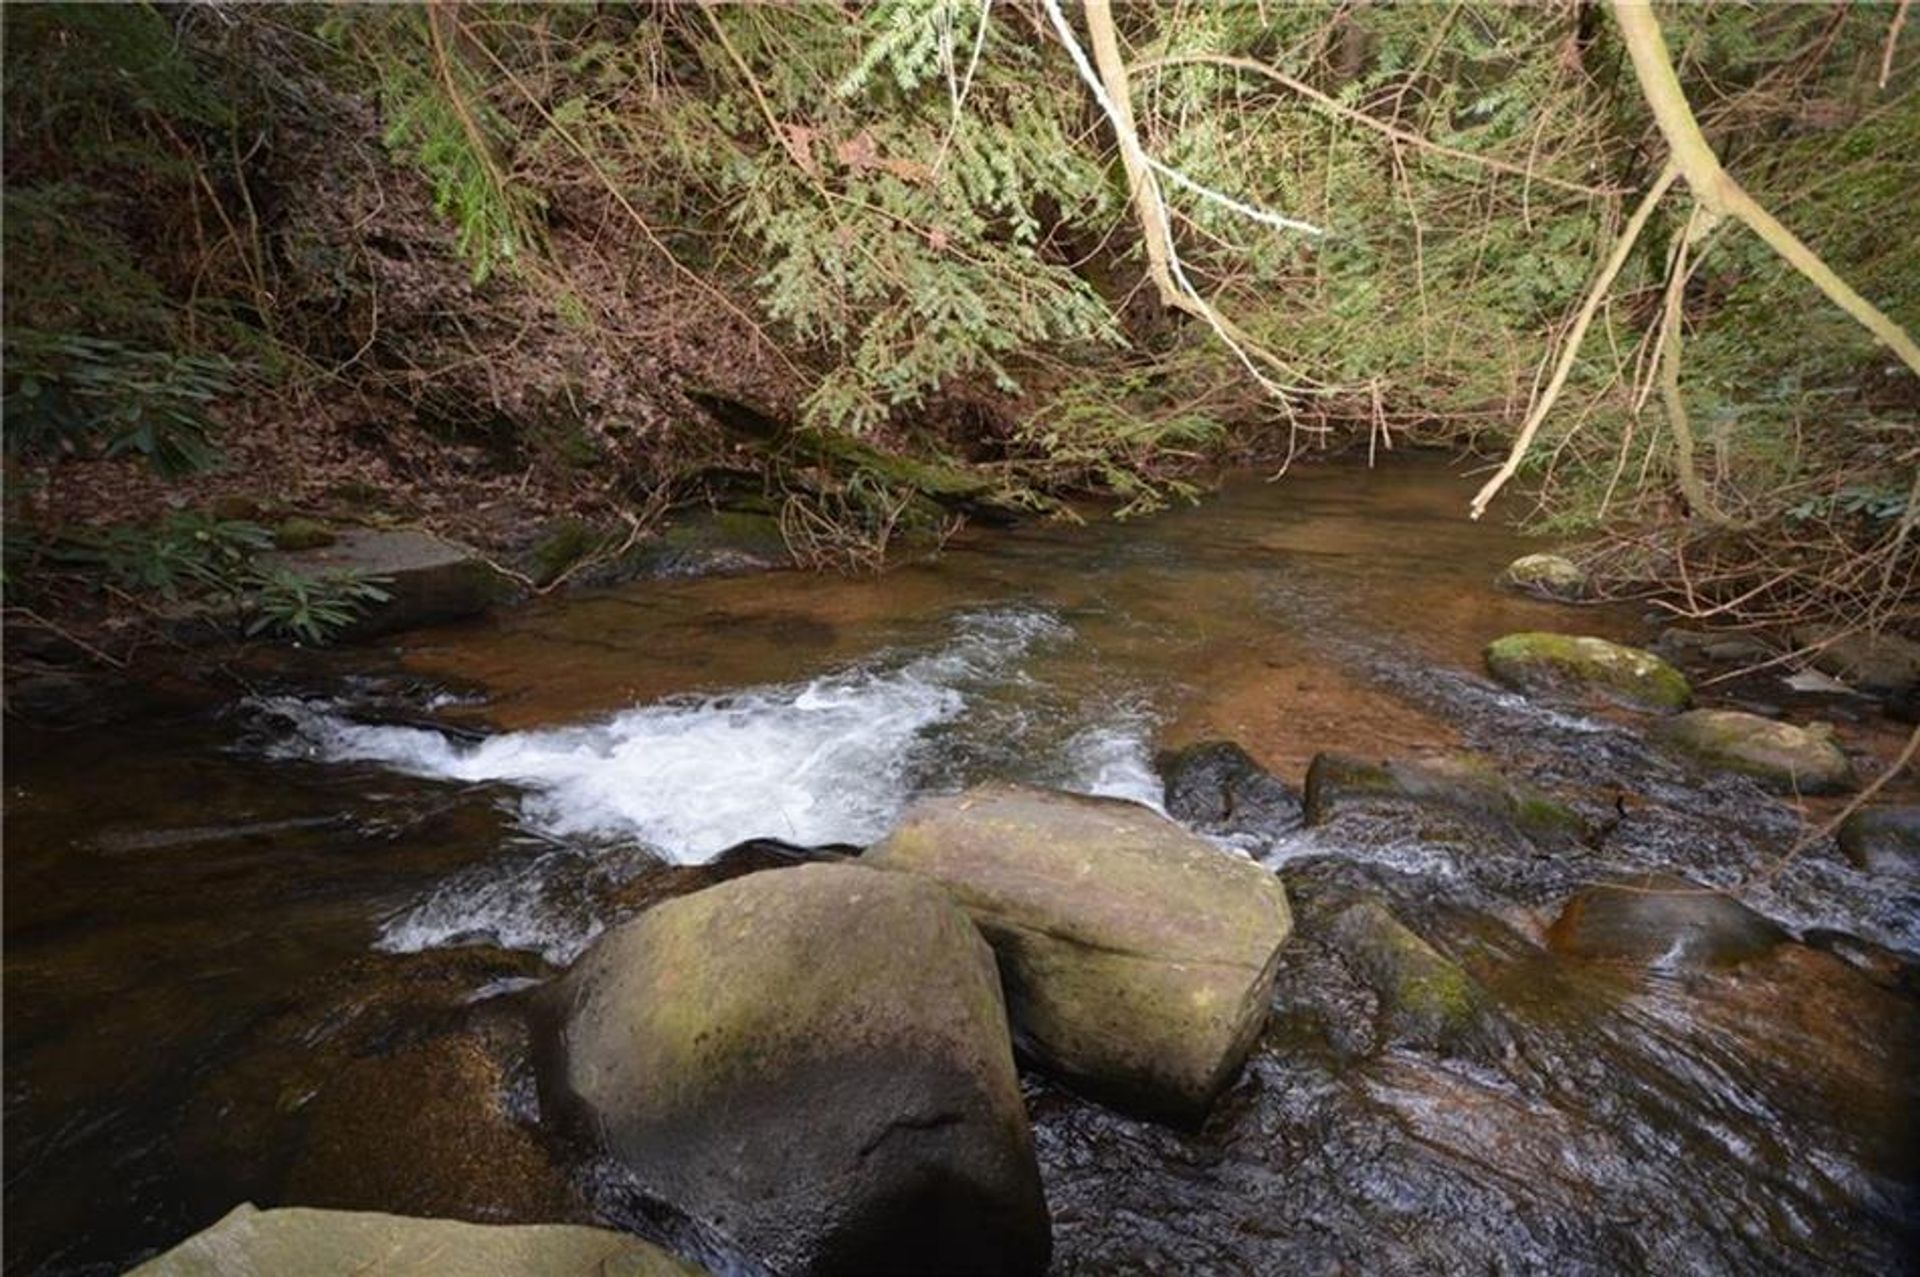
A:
x: 233, y: 924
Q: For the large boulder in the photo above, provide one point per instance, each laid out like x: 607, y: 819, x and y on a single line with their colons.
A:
x: 427, y: 580
x: 1551, y: 576
x: 1138, y: 958
x: 1661, y: 922
x: 1582, y: 666
x: 1780, y: 756
x: 296, y: 1241
x: 1883, y: 840
x: 1216, y: 786
x: 815, y: 1062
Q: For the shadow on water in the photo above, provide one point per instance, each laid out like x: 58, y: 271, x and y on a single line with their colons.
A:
x: 279, y: 949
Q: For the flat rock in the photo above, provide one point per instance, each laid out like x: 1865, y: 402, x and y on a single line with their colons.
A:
x: 1661, y: 922
x: 1541, y: 663
x: 1778, y: 755
x: 1458, y: 782
x: 1138, y: 959
x: 296, y: 1241
x: 815, y: 1063
x: 431, y: 580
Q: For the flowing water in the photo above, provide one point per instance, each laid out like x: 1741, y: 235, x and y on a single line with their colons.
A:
x: 251, y: 942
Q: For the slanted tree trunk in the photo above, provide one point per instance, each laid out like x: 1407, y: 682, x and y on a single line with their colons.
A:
x: 1717, y: 190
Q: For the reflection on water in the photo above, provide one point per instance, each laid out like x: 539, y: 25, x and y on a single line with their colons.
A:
x: 249, y: 943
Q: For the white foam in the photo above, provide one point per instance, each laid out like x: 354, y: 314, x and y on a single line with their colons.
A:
x: 828, y: 761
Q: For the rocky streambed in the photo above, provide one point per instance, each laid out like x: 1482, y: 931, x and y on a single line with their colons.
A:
x: 1310, y: 935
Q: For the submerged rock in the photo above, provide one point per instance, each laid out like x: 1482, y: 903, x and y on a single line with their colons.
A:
x: 1138, y: 959
x: 1217, y: 786
x: 1663, y: 922
x: 815, y: 1062
x: 1884, y: 840
x: 1579, y: 665
x: 1552, y: 576
x: 1458, y: 782
x: 295, y: 1241
x: 1780, y: 756
x: 428, y: 1130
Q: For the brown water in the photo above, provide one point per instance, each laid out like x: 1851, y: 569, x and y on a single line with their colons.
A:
x: 266, y: 947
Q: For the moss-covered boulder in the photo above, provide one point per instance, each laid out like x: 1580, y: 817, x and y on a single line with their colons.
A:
x: 1883, y: 840
x: 1661, y: 922
x: 1581, y: 666
x: 1551, y: 576
x: 1780, y: 756
x: 1458, y: 783
x: 1138, y: 958
x: 1218, y: 787
x: 814, y: 1062
x: 1425, y: 999
x: 296, y: 1241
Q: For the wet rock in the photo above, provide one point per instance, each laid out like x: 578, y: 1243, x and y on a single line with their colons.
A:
x: 1578, y: 665
x: 296, y: 1241
x: 1425, y: 999
x: 1886, y: 967
x: 1883, y: 840
x: 1780, y: 756
x: 1138, y: 959
x: 1460, y: 782
x: 430, y: 580
x: 290, y: 1093
x: 1662, y: 922
x: 1884, y: 663
x: 1551, y: 576
x: 428, y: 1131
x: 813, y: 1061
x: 1218, y: 787
x: 302, y: 533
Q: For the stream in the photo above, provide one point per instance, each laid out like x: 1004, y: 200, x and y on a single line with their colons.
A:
x: 268, y: 946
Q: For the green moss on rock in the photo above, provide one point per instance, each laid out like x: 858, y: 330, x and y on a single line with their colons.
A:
x: 1780, y: 756
x: 302, y: 533
x: 1579, y: 665
x: 1550, y: 575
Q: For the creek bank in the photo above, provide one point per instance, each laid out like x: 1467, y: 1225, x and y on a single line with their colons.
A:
x: 815, y: 1062
x: 1138, y: 959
